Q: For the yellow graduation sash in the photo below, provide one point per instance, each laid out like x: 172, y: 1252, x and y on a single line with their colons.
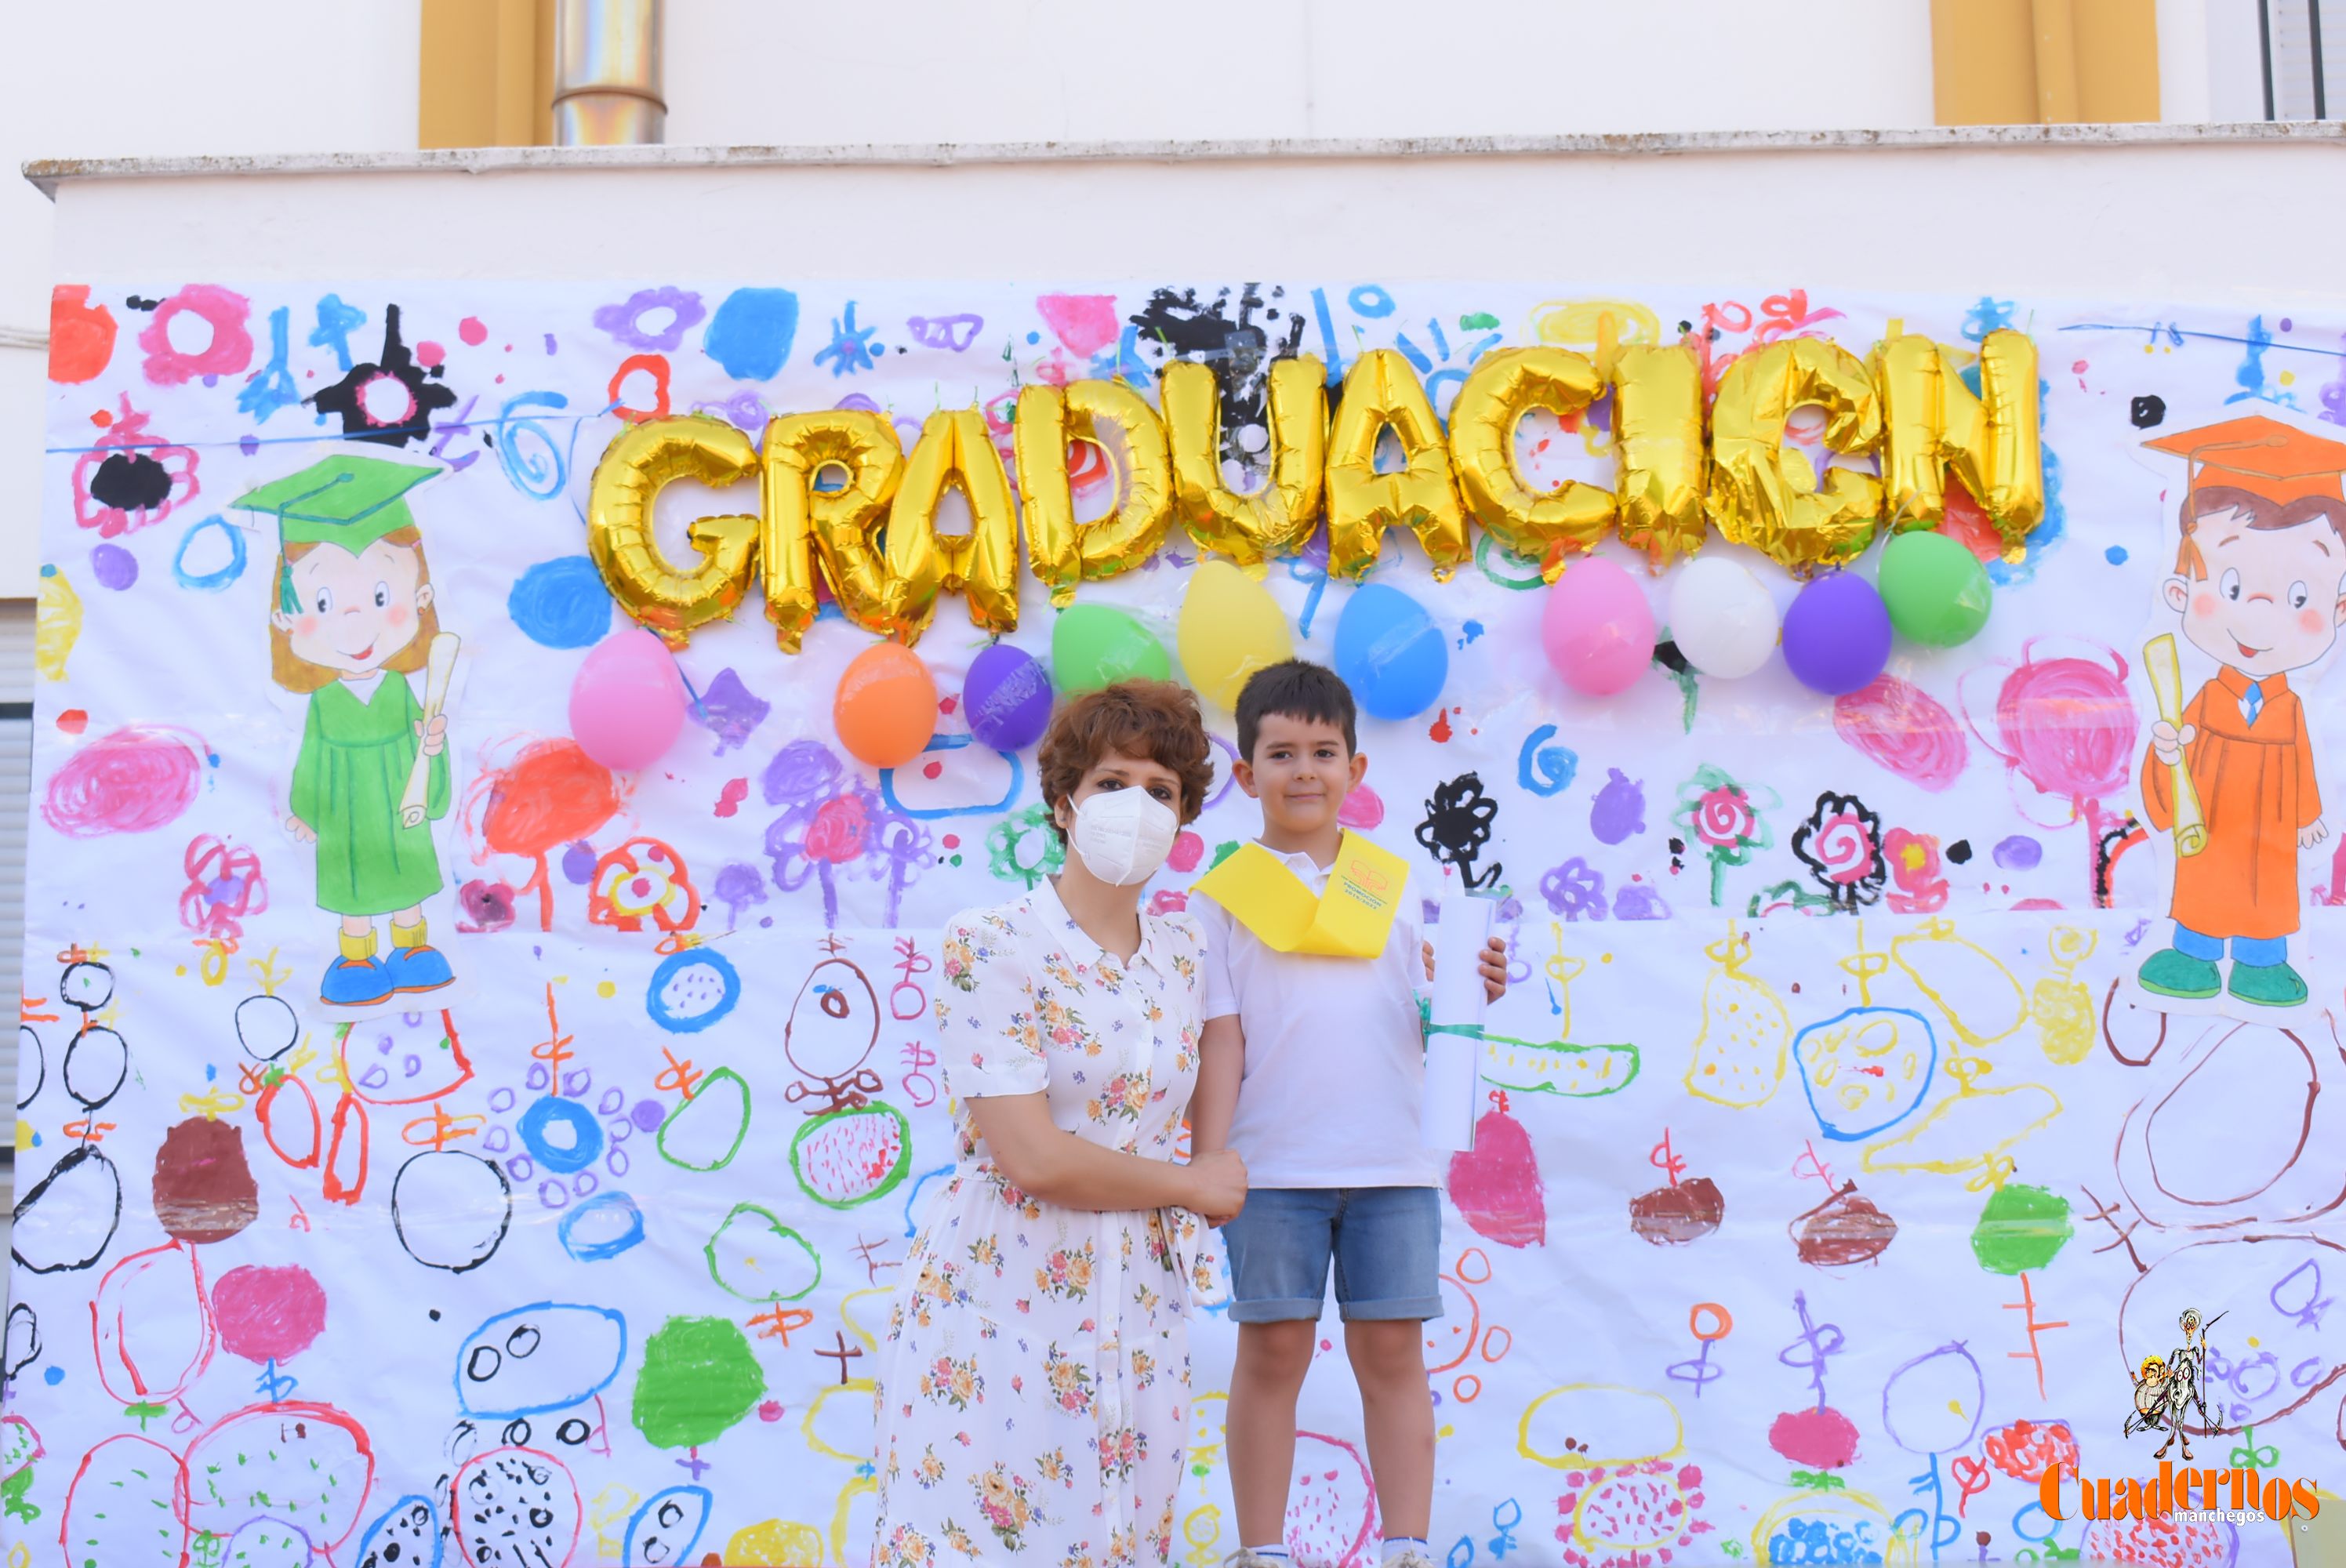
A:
x: 1350, y: 918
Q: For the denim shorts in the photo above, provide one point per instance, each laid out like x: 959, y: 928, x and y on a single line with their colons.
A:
x: 1385, y: 1241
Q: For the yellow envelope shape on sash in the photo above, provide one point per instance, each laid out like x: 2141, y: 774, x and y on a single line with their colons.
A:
x: 1350, y: 918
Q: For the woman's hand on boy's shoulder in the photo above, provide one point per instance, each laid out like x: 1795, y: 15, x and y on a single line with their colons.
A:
x: 1494, y: 966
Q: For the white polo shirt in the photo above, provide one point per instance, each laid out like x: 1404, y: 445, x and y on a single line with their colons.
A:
x: 1335, y: 1051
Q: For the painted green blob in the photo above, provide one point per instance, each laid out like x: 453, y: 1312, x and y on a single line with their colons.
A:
x: 2022, y: 1228
x: 699, y: 1380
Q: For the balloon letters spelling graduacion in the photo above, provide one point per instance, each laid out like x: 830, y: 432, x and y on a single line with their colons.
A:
x: 353, y: 617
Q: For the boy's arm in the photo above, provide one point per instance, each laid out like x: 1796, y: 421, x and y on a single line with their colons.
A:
x: 1221, y: 1063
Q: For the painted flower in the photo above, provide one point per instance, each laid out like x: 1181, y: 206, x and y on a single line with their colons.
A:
x: 931, y: 1469
x: 128, y: 479
x: 1840, y: 844
x: 1913, y: 860
x: 961, y: 964
x: 1121, y: 1451
x: 643, y: 878
x: 1575, y: 890
x: 1726, y: 818
x: 1723, y: 817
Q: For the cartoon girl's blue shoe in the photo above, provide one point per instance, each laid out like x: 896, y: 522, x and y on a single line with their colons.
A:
x: 357, y: 982
x: 419, y: 968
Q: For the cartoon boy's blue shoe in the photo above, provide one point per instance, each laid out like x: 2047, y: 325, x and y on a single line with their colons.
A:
x: 419, y: 968
x: 357, y: 982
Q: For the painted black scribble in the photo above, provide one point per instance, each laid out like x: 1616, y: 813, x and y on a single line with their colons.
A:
x: 1177, y: 325
x: 402, y: 419
x: 130, y: 481
x: 1959, y: 853
x: 1457, y: 824
x: 2146, y: 410
x: 1840, y: 844
x: 23, y: 1341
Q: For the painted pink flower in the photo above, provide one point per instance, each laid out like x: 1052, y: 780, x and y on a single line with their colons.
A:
x: 1914, y: 870
x: 1723, y: 817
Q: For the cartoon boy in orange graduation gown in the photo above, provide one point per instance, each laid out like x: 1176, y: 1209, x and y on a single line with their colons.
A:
x: 2260, y: 583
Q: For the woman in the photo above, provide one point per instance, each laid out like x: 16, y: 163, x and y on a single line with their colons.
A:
x: 1033, y: 1386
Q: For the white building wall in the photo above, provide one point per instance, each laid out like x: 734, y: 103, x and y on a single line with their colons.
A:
x: 745, y: 72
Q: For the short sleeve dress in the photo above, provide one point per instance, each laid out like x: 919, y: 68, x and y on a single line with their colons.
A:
x: 1034, y: 1380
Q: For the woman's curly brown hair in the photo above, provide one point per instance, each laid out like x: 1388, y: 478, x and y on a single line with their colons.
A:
x: 1155, y: 720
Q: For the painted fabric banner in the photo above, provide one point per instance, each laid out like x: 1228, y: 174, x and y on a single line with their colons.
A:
x: 1833, y: 1175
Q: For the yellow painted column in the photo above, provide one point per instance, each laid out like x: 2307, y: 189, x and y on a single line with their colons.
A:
x: 2044, y: 62
x: 486, y: 74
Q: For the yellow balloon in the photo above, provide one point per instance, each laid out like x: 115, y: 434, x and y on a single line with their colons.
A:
x: 1231, y: 626
x: 953, y: 449
x: 1276, y: 519
x: 1381, y: 392
x: 1658, y: 450
x: 834, y: 525
x: 1549, y: 525
x: 1764, y: 496
x: 1112, y: 416
x: 639, y: 461
x: 1932, y: 425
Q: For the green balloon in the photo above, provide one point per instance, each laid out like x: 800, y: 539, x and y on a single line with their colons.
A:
x: 1092, y: 645
x: 1936, y: 591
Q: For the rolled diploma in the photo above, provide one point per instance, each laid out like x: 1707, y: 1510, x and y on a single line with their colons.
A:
x: 1453, y: 1043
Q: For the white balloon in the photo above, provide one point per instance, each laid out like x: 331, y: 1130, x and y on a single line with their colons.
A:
x: 1722, y: 619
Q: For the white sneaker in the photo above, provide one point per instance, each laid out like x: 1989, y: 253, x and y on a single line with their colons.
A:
x: 1413, y: 1558
x: 1248, y: 1557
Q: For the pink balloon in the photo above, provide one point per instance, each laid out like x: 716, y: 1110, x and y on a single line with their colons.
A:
x: 1598, y: 627
x: 626, y: 702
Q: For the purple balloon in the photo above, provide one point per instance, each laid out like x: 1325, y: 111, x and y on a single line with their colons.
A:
x: 1837, y: 634
x: 1008, y: 699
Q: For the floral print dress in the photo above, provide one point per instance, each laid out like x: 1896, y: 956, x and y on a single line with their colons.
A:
x: 1034, y: 1383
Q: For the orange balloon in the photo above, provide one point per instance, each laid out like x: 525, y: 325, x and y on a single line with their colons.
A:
x: 886, y: 707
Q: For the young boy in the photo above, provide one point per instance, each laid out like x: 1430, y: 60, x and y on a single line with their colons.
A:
x: 1313, y: 1057
x: 2260, y: 583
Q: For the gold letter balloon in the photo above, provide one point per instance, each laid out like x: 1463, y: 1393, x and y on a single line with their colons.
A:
x: 1276, y: 519
x: 1547, y: 525
x: 953, y: 449
x: 1657, y: 450
x: 1381, y: 392
x: 833, y: 523
x: 1114, y: 418
x: 643, y: 459
x: 1932, y: 425
x: 1766, y: 496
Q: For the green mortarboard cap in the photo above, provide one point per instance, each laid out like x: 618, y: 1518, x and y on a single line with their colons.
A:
x: 346, y: 500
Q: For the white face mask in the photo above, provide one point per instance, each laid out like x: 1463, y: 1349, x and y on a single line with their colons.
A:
x: 1124, y: 835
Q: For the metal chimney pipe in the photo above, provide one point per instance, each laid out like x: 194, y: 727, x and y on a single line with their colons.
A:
x: 607, y: 73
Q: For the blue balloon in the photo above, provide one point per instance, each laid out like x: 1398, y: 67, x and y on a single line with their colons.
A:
x: 1391, y: 653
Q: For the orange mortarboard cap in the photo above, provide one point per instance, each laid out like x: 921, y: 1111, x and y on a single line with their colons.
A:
x: 2263, y: 456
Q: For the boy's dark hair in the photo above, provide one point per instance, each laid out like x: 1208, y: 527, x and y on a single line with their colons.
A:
x: 1295, y: 689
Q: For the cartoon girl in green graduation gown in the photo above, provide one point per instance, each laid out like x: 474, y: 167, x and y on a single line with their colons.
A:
x: 354, y: 617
